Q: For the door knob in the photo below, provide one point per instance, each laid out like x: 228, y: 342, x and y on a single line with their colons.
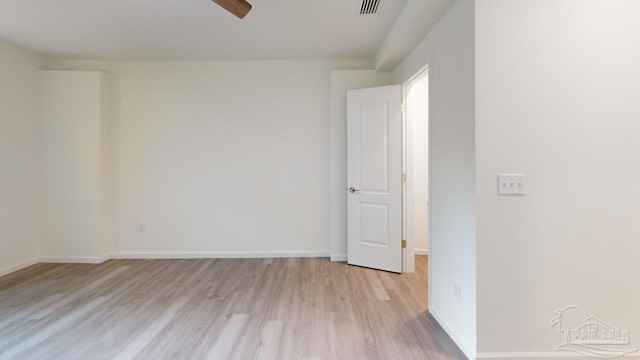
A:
x: 353, y: 190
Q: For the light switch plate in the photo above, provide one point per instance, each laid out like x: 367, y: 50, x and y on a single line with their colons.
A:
x: 512, y: 184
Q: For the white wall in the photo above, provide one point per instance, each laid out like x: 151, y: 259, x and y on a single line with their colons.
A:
x: 417, y: 103
x: 221, y: 158
x: 558, y: 99
x: 19, y: 157
x: 449, y: 50
x: 75, y: 187
x: 341, y: 82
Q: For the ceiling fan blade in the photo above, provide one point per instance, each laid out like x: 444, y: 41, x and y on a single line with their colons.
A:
x: 239, y: 8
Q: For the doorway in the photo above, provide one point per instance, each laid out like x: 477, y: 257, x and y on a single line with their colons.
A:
x: 384, y: 142
x: 416, y: 219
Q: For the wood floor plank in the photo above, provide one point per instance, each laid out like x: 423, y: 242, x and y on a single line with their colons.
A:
x: 27, y: 312
x: 223, y: 346
x: 226, y: 309
x: 44, y: 333
x: 135, y: 347
x: 270, y: 341
x: 377, y: 286
x: 75, y: 294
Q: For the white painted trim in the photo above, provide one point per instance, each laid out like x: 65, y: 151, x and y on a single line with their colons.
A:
x: 528, y: 355
x: 408, y: 259
x: 408, y: 187
x: 339, y: 257
x: 220, y: 255
x: 74, y: 259
x: 422, y: 251
x: 171, y: 255
x: 19, y: 266
x: 430, y: 181
x: 550, y: 355
x: 470, y: 353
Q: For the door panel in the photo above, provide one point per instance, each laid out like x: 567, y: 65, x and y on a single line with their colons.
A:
x: 373, y: 137
x: 376, y: 231
x: 374, y: 177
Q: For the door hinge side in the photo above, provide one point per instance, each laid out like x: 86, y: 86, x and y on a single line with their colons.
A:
x: 403, y: 178
x: 403, y: 108
x: 404, y: 244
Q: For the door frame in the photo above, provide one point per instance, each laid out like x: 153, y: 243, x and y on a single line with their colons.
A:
x: 408, y: 263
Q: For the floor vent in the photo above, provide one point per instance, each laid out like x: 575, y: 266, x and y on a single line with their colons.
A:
x: 369, y: 7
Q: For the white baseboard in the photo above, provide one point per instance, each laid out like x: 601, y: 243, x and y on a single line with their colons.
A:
x: 19, y: 266
x: 74, y: 259
x: 219, y: 254
x: 338, y: 257
x: 466, y: 349
x: 421, y: 251
x: 166, y: 255
x: 549, y: 355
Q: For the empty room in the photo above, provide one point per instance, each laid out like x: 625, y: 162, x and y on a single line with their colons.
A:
x: 338, y: 179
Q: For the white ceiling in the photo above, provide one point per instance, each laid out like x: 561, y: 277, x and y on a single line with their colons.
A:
x: 196, y: 29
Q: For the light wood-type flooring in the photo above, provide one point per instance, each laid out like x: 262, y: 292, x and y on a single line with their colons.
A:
x: 297, y: 308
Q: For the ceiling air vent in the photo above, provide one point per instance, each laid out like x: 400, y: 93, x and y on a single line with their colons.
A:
x: 369, y: 7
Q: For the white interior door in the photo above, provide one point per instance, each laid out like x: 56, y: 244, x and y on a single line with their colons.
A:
x: 374, y: 177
